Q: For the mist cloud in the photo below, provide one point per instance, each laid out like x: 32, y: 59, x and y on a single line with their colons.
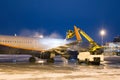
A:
x: 49, y: 41
x: 37, y: 33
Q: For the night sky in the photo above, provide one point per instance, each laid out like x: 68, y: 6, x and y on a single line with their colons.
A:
x: 58, y: 16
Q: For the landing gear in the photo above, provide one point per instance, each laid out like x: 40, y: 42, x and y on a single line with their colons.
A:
x: 32, y: 59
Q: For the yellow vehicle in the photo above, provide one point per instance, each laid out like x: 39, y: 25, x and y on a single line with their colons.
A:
x: 94, y: 54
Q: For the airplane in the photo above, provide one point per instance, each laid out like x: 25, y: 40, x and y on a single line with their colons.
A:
x: 44, y: 48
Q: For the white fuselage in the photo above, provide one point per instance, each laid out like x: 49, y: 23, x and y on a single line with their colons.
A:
x: 21, y: 42
x: 31, y: 43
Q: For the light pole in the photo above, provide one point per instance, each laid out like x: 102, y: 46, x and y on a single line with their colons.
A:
x: 102, y: 33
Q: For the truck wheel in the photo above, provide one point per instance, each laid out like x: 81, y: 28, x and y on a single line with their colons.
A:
x: 32, y: 60
x: 87, y: 61
x: 79, y: 62
x: 97, y: 63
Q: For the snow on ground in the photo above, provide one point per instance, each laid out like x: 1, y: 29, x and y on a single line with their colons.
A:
x: 109, y: 70
x: 57, y: 72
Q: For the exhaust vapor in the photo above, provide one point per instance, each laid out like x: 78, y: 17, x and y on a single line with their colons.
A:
x: 52, y: 40
x: 39, y: 34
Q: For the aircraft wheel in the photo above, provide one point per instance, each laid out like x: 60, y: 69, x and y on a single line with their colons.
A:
x: 32, y: 59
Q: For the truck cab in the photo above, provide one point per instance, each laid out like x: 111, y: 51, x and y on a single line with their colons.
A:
x: 87, y: 57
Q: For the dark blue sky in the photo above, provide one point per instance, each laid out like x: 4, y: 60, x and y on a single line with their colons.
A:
x: 61, y: 15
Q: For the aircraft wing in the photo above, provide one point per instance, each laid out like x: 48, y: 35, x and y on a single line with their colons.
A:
x: 62, y: 49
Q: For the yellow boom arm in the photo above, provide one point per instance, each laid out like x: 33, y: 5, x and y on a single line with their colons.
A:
x: 77, y: 32
x: 71, y: 34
